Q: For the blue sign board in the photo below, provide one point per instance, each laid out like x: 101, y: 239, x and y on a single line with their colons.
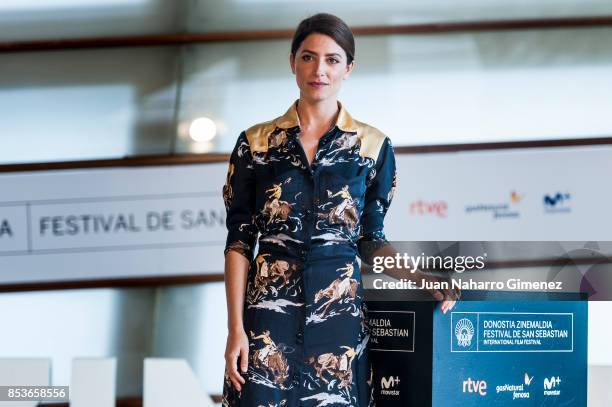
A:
x: 506, y: 353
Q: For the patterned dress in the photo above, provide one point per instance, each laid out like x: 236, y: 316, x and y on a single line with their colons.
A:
x: 303, y: 312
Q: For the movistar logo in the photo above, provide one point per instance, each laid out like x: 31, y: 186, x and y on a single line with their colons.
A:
x: 387, y: 385
x: 557, y: 203
x: 551, y: 386
x: 556, y: 199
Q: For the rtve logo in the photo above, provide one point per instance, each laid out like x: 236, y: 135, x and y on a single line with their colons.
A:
x: 435, y: 208
x: 475, y: 386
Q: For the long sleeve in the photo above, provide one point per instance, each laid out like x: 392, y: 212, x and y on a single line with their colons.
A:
x: 381, y: 186
x: 239, y: 198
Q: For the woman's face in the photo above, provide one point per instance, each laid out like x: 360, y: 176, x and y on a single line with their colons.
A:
x: 320, y: 66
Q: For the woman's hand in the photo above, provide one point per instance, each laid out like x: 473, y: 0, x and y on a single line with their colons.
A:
x: 448, y: 297
x: 236, y: 350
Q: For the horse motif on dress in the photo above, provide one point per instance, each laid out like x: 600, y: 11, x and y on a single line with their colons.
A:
x: 346, y: 141
x: 270, y: 358
x: 336, y: 366
x: 269, y: 273
x: 341, y: 289
x: 346, y: 211
x: 277, y: 140
x: 274, y: 208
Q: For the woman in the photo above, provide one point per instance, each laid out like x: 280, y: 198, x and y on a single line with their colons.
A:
x: 316, y: 184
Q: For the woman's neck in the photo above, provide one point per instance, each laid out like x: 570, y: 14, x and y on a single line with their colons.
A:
x: 317, y: 115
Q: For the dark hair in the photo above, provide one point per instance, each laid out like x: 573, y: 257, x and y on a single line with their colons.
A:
x: 326, y: 24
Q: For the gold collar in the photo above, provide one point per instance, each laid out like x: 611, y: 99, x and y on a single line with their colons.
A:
x: 290, y: 119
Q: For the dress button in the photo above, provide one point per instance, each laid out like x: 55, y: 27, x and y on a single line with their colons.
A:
x: 299, y: 338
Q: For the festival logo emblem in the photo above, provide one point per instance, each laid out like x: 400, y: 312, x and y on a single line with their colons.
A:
x: 464, y: 332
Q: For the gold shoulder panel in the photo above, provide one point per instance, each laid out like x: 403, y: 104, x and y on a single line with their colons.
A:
x: 371, y: 139
x: 258, y: 136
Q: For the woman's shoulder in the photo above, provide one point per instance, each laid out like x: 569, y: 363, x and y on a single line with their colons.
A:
x: 262, y: 129
x: 372, y: 139
x: 257, y: 135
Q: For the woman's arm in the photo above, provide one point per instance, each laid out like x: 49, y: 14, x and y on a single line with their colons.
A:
x: 372, y: 241
x: 237, y: 347
x: 239, y: 198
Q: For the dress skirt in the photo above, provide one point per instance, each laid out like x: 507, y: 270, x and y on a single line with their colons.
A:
x: 307, y: 332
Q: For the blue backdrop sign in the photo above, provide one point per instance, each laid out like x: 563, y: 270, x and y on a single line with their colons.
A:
x: 511, y: 353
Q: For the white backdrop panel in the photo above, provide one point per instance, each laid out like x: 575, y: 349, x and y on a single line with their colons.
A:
x: 165, y: 221
x: 111, y: 223
x: 500, y: 195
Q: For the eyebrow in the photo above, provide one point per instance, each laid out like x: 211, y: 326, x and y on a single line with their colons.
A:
x: 327, y: 55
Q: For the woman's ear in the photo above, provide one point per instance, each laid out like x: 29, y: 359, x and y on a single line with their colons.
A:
x: 349, y: 69
x: 292, y: 62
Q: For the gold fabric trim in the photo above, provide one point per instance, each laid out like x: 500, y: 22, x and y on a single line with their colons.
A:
x: 371, y: 139
x: 257, y: 136
x: 289, y: 119
x: 345, y: 122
